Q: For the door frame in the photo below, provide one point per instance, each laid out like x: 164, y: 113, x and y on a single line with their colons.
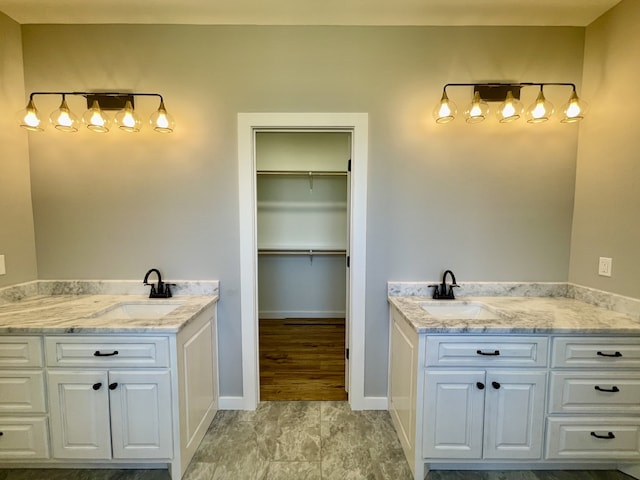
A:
x: 358, y: 125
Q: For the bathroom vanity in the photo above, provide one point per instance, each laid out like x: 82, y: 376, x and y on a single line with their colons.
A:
x: 118, y: 381
x: 514, y: 383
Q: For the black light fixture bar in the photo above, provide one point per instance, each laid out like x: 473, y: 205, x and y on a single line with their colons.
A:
x: 497, y: 91
x: 107, y: 100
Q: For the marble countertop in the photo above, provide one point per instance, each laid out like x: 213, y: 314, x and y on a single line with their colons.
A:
x: 521, y: 315
x: 56, y: 314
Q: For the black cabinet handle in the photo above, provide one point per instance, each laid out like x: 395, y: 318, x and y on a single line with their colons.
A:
x: 602, y: 354
x: 613, y: 389
x: 493, y: 354
x: 113, y: 386
x: 480, y: 385
x: 96, y: 386
x: 98, y: 353
x: 1, y: 434
x: 495, y: 385
x: 609, y: 436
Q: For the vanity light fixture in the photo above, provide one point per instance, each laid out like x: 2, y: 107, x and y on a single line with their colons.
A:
x: 510, y: 108
x: 95, y: 118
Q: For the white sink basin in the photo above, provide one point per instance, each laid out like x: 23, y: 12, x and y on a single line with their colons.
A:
x: 458, y: 310
x: 138, y: 310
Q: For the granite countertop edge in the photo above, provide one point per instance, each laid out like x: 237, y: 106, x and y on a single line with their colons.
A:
x: 518, y: 315
x: 77, y: 314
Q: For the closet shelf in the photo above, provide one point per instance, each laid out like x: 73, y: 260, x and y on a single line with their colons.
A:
x: 299, y: 251
x: 303, y: 173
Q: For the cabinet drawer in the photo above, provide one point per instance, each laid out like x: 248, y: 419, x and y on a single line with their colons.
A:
x: 107, y: 351
x: 591, y: 438
x: 21, y: 391
x: 486, y: 351
x: 596, y: 352
x: 20, y: 352
x: 23, y: 438
x: 594, y: 392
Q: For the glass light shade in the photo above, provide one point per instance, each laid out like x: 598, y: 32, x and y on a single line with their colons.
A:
x: 161, y: 121
x: 127, y: 119
x: 573, y: 111
x: 95, y: 119
x: 30, y: 119
x: 477, y: 110
x: 445, y: 111
x: 509, y: 110
x: 540, y: 111
x: 63, y: 119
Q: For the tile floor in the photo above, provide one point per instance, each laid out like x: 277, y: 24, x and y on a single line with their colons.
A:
x: 299, y: 441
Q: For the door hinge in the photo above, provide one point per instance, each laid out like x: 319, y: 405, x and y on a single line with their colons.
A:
x: 349, y: 165
x: 348, y: 261
x: 347, y: 354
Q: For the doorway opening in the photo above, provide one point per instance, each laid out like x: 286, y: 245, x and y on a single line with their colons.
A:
x: 302, y: 191
x: 249, y: 125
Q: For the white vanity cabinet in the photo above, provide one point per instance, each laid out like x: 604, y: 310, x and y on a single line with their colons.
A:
x: 111, y: 412
x: 478, y: 401
x: 473, y: 401
x: 594, y: 408
x: 24, y: 432
x: 108, y: 399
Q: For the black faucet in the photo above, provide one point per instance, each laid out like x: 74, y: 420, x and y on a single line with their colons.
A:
x: 162, y: 290
x: 440, y: 292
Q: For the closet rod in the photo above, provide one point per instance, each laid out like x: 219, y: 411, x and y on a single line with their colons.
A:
x: 300, y: 173
x: 309, y: 252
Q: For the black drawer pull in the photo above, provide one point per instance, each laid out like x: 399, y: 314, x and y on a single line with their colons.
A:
x: 609, y: 436
x: 98, y: 353
x: 113, y: 386
x: 602, y: 354
x: 495, y: 385
x: 1, y: 433
x: 480, y: 385
x: 493, y: 354
x: 96, y: 386
x: 613, y: 389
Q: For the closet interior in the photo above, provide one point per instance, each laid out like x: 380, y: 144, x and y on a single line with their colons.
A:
x: 302, y: 223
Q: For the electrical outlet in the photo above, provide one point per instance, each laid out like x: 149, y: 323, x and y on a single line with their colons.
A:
x: 3, y: 270
x: 604, y: 266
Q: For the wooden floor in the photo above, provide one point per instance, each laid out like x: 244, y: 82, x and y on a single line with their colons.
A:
x: 302, y: 359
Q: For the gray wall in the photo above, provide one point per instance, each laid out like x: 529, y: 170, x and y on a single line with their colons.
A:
x: 607, y: 205
x: 17, y: 242
x: 492, y: 202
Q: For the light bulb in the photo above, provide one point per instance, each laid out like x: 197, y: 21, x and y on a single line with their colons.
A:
x: 30, y: 119
x: 63, y: 119
x: 445, y: 111
x: 510, y: 109
x: 478, y: 110
x: 95, y: 119
x: 127, y: 119
x: 574, y: 109
x: 161, y: 121
x: 540, y: 110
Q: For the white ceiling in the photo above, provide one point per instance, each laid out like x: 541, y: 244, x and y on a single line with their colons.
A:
x: 309, y: 12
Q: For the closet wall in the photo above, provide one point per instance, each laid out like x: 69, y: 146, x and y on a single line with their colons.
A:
x: 302, y: 223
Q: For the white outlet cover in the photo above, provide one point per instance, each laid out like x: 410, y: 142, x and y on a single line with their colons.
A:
x: 604, y: 266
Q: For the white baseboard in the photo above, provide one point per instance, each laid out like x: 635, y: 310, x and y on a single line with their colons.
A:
x: 375, y: 403
x: 273, y: 314
x: 231, y: 403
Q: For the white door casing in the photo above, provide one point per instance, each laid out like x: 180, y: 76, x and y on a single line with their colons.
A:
x: 357, y: 125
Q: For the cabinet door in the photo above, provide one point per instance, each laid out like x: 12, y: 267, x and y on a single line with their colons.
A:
x: 514, y: 417
x: 141, y: 422
x: 453, y: 414
x: 79, y: 406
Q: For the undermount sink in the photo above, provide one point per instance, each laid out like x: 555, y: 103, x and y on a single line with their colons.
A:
x: 138, y: 310
x: 458, y: 310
